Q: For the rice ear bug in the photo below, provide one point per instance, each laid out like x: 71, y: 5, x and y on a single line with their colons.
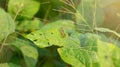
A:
x: 62, y: 32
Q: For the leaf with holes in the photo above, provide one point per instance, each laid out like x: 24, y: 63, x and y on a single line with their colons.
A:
x: 44, y: 38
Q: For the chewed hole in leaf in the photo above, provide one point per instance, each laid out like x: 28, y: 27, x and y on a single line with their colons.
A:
x: 48, y: 43
x: 40, y: 34
x: 52, y: 33
x: 35, y: 40
x: 106, y: 57
x: 32, y: 34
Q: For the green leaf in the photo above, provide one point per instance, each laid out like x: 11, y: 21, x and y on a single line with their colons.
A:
x: 78, y: 57
x: 29, y: 25
x: 52, y: 33
x: 103, y: 50
x: 89, y: 41
x: 7, y: 25
x: 45, y: 38
x: 81, y: 53
x: 6, y: 54
x: 67, y: 25
x: 91, y: 52
x: 104, y: 54
x: 29, y: 52
x: 8, y: 65
x: 23, y: 8
x: 69, y: 53
x: 46, y: 11
x: 116, y: 56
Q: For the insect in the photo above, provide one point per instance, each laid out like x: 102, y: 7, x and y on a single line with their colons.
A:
x: 62, y: 32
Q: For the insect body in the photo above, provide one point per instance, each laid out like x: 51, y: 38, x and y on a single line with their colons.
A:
x: 62, y: 32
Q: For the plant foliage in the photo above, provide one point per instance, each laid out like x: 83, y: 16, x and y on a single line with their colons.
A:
x: 57, y: 33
